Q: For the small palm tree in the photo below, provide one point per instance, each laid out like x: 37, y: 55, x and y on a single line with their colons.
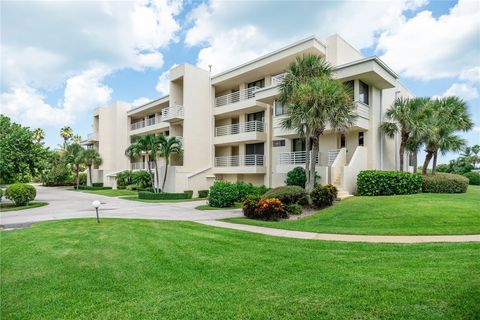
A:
x: 145, y: 145
x: 476, y: 151
x: 75, y: 157
x: 168, y: 147
x: 66, y: 133
x: 77, y: 138
x: 39, y: 135
x: 91, y: 158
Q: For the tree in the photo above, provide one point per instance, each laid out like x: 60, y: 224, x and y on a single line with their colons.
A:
x: 77, y: 139
x: 302, y: 70
x: 66, y: 133
x: 39, y: 135
x: 444, y: 117
x: 75, y: 157
x: 476, y: 150
x: 91, y: 158
x: 168, y: 147
x: 404, y: 117
x: 145, y: 145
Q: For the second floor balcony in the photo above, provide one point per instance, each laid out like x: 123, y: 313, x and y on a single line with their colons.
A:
x: 240, y: 164
x: 248, y: 132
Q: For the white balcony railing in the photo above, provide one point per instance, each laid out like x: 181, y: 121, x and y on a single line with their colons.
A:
x: 141, y: 165
x: 237, y: 96
x: 293, y: 158
x: 332, y: 155
x: 278, y: 79
x: 250, y: 126
x: 172, y: 112
x: 93, y: 136
x: 239, y: 161
x: 137, y: 125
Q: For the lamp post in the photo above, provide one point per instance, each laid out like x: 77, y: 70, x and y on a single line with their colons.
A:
x: 96, y: 205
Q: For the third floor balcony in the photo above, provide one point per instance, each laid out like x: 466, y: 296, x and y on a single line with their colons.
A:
x: 241, y: 100
x: 247, y: 132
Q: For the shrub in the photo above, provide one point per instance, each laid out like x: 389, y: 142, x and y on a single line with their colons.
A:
x: 124, y: 178
x: 161, y: 196
x: 93, y: 188
x: 443, y: 168
x: 445, y: 183
x: 296, y: 177
x: 382, y: 183
x: 270, y: 209
x: 142, y: 179
x: 82, y: 179
x: 188, y: 194
x: 294, y: 209
x: 223, y: 194
x: 250, y: 205
x: 244, y: 189
x: 473, y: 178
x: 97, y: 184
x: 1, y: 194
x: 202, y: 193
x: 323, y: 196
x: 21, y: 193
x: 287, y: 194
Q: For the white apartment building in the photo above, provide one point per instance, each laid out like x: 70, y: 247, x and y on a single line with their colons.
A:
x: 229, y: 123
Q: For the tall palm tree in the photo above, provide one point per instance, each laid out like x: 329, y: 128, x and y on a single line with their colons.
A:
x: 39, y: 135
x: 445, y: 116
x: 404, y: 117
x: 77, y: 138
x: 328, y: 103
x: 66, y: 133
x: 476, y: 151
x: 91, y: 158
x: 300, y: 71
x: 146, y: 145
x: 75, y: 157
x: 168, y: 147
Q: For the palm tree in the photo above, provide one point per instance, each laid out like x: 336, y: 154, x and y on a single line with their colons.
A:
x: 145, y: 145
x: 74, y: 156
x: 91, y: 158
x: 404, y: 117
x: 328, y: 103
x: 77, y: 138
x: 39, y: 135
x: 66, y: 133
x: 168, y: 147
x: 476, y: 151
x: 302, y: 70
x: 444, y: 117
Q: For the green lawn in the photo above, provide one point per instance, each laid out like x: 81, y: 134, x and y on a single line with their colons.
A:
x: 419, y: 214
x: 134, y: 269
x: 207, y: 207
x: 135, y: 198
x: 9, y: 206
x: 110, y: 192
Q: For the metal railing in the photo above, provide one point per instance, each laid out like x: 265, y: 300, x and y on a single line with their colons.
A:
x: 93, y: 136
x: 332, y: 155
x: 250, y: 126
x: 141, y: 165
x: 239, y: 161
x: 237, y: 96
x: 293, y: 158
x: 172, y: 112
x: 137, y: 125
x: 152, y: 121
x: 278, y: 79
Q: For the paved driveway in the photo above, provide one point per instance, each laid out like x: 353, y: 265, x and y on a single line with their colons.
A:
x: 64, y: 204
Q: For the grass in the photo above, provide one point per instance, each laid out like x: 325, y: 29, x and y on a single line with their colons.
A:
x: 9, y: 206
x: 110, y: 192
x: 135, y: 269
x: 207, y: 207
x: 135, y: 198
x: 419, y: 214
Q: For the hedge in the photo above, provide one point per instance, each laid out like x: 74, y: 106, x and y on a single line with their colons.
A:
x: 445, y: 183
x: 147, y: 195
x: 80, y: 187
x: 97, y: 184
x: 287, y: 194
x: 383, y: 183
x: 224, y: 193
x: 21, y: 193
x: 1, y: 194
x: 202, y: 193
x: 323, y: 196
x: 473, y: 178
x: 188, y: 194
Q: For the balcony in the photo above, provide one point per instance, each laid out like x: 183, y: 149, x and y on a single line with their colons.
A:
x: 278, y: 79
x: 248, y: 132
x: 240, y: 164
x: 140, y: 165
x: 243, y: 100
x: 289, y: 160
x: 270, y: 93
x: 172, y: 114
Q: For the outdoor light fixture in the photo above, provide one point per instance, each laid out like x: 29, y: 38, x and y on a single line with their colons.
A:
x: 96, y: 205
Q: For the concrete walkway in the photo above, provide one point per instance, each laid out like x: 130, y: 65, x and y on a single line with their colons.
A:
x: 340, y: 237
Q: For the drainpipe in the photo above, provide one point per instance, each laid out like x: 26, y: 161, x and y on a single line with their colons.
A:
x: 381, y: 135
x: 210, y: 107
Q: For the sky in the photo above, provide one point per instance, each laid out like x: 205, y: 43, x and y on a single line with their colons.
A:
x: 62, y: 59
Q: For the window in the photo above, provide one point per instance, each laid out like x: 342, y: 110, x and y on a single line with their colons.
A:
x: 342, y: 141
x: 259, y: 84
x: 299, y: 144
x: 280, y: 109
x: 278, y: 143
x: 363, y: 92
x: 361, y: 139
x: 257, y: 116
x: 349, y: 85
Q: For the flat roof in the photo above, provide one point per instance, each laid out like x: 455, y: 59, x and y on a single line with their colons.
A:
x: 372, y: 58
x: 149, y: 103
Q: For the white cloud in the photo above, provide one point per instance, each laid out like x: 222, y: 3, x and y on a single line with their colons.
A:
x: 476, y: 129
x: 471, y: 75
x: 462, y: 90
x: 425, y: 47
x: 163, y: 84
x: 139, y: 101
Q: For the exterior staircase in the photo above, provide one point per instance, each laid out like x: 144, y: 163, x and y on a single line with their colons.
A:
x: 342, y: 194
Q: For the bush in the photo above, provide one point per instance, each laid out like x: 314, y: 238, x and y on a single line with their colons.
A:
x: 97, y: 184
x: 443, y: 168
x: 124, y: 178
x: 82, y: 178
x: 202, y: 193
x: 445, y: 183
x: 93, y: 188
x: 296, y: 177
x: 270, y: 209
x: 323, y: 196
x: 142, y: 179
x: 473, y: 178
x: 294, y: 209
x: 250, y: 205
x: 382, y: 183
x: 21, y: 193
x: 245, y: 189
x: 188, y: 194
x: 223, y: 194
x: 161, y: 196
x: 287, y: 194
x: 1, y: 194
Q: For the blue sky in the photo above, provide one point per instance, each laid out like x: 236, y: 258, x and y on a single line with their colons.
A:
x: 60, y: 60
